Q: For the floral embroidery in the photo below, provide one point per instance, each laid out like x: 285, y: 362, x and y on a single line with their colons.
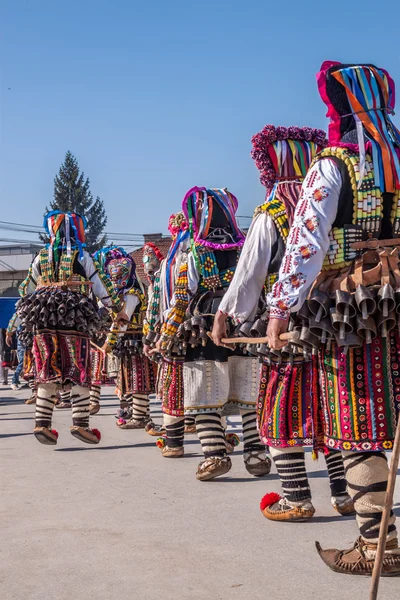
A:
x: 320, y: 193
x: 296, y: 280
x: 311, y: 223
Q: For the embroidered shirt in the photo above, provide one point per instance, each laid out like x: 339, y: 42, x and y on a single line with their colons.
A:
x: 308, y: 240
x: 241, y: 299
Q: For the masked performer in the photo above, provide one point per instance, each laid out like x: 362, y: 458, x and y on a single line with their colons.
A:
x: 136, y: 376
x: 170, y: 375
x: 57, y: 308
x: 213, y: 377
x: 283, y: 156
x: 348, y: 221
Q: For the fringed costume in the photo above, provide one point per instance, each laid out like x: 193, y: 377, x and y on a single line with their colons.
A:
x: 341, y: 271
x: 58, y: 308
x: 216, y: 380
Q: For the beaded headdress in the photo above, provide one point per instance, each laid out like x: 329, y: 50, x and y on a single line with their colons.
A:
x: 118, y: 265
x: 65, y: 230
x: 179, y: 229
x: 362, y: 98
x: 152, y: 257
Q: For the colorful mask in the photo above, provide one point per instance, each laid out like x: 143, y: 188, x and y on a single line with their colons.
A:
x: 151, y: 260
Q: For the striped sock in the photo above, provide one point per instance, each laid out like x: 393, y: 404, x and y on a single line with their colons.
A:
x: 189, y: 421
x: 46, y: 396
x: 140, y: 408
x: 291, y: 466
x: 251, y: 439
x: 367, y: 476
x: 211, y: 434
x: 175, y: 431
x: 95, y: 391
x: 65, y: 395
x: 80, y: 406
x: 337, y: 479
x: 33, y: 389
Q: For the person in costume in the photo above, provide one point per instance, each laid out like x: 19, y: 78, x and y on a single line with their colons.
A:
x: 57, y: 307
x: 215, y: 379
x: 283, y: 155
x: 170, y: 375
x: 348, y: 221
x: 137, y: 374
x: 26, y: 339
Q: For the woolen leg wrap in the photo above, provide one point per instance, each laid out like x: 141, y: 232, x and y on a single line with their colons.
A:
x: 94, y: 394
x: 189, y: 421
x: 65, y: 395
x: 251, y: 439
x: 46, y: 396
x: 175, y: 430
x: 140, y: 408
x: 291, y: 466
x: 211, y: 434
x: 337, y: 479
x: 80, y: 406
x: 367, y: 476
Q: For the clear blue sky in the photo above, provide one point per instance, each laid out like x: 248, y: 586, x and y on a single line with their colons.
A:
x: 156, y: 96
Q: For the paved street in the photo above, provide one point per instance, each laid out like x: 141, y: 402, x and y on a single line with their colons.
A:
x: 120, y: 522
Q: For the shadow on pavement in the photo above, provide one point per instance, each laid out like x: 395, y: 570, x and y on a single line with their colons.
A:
x: 8, y: 435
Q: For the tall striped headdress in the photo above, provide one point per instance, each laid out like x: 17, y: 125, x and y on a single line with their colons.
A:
x: 283, y: 156
x: 362, y: 98
x: 65, y: 230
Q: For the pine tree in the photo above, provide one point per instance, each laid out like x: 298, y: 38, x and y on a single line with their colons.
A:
x: 72, y: 193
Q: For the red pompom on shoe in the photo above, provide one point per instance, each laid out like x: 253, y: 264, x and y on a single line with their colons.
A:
x: 54, y: 432
x: 269, y: 499
x: 97, y: 433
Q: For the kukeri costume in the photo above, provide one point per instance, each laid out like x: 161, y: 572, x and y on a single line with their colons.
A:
x: 348, y: 220
x: 170, y: 389
x: 136, y: 374
x: 58, y: 308
x: 215, y: 379
x: 289, y: 413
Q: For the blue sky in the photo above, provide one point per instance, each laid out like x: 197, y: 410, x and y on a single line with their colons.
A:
x: 155, y: 97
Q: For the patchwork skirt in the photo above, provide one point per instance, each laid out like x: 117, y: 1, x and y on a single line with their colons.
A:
x: 137, y: 375
x: 289, y: 412
x: 225, y: 386
x: 29, y: 365
x: 100, y: 370
x: 361, y: 395
x: 170, y: 386
x: 62, y: 357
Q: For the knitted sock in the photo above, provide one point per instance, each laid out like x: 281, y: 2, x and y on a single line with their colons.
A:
x: 140, y: 407
x: 80, y: 406
x: 46, y: 396
x: 175, y: 431
x: 65, y: 395
x: 94, y: 393
x: 126, y: 401
x: 189, y: 421
x: 367, y: 476
x: 211, y: 434
x: 337, y: 479
x: 291, y: 466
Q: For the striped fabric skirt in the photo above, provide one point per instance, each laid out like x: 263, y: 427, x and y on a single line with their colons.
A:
x: 62, y: 357
x: 361, y: 395
x: 170, y: 386
x: 99, y: 365
x: 288, y: 410
x: 137, y: 375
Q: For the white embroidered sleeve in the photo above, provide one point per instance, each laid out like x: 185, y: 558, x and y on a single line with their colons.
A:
x: 241, y: 299
x: 98, y: 288
x: 308, y: 240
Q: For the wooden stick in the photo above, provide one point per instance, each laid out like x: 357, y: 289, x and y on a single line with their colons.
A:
x: 394, y: 464
x: 289, y: 336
